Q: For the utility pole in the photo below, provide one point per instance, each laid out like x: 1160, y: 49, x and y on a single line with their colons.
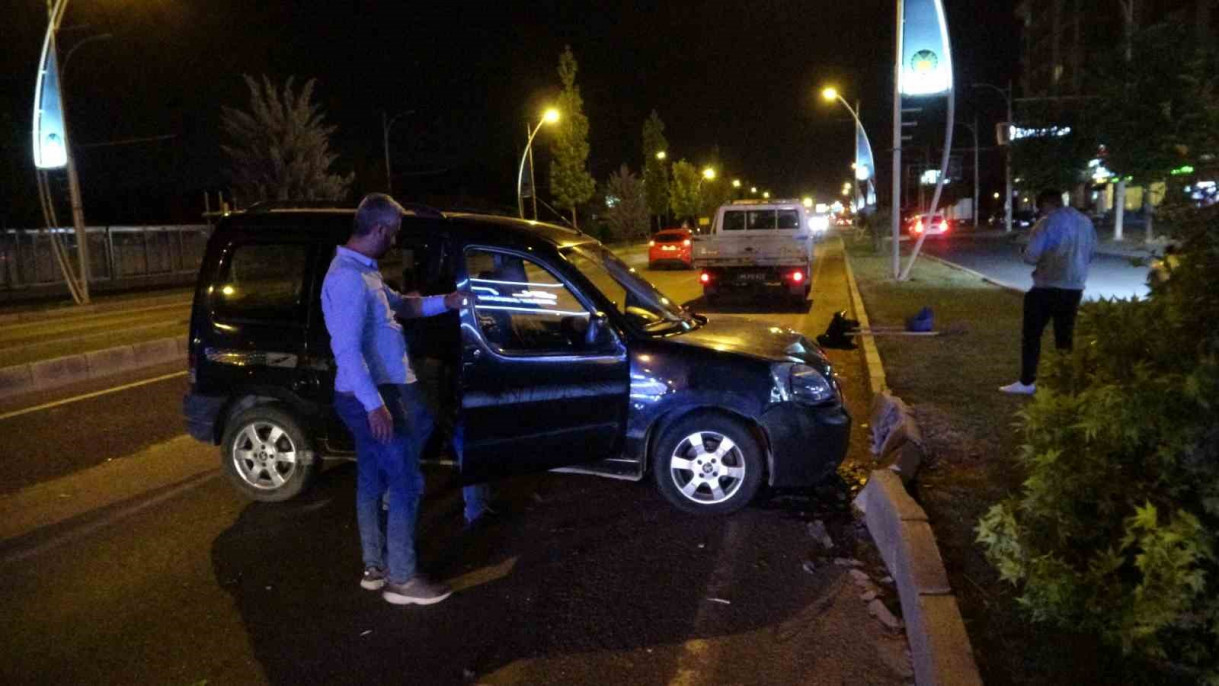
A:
x: 1007, y: 153
x: 895, y: 219
x: 386, y: 125
x: 973, y: 128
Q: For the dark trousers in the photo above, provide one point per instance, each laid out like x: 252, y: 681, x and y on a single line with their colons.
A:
x: 1040, y: 306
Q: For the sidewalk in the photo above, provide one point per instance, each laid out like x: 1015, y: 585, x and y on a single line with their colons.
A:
x: 1129, y: 247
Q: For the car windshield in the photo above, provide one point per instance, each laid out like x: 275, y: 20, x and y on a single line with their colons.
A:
x: 637, y: 299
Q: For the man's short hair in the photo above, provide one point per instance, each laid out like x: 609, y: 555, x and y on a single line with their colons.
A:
x: 374, y: 209
x: 1052, y: 196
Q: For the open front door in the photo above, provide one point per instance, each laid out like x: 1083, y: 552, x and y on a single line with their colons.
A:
x: 544, y: 381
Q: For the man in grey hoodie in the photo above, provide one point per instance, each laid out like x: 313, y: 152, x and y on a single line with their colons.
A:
x: 1061, y: 246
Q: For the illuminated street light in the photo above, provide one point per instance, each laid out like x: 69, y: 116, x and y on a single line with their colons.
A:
x: 807, y: 201
x: 753, y: 190
x: 830, y: 94
x: 709, y: 174
x: 549, y: 117
x: 996, y: 196
x: 736, y: 183
x: 661, y: 155
x: 766, y: 195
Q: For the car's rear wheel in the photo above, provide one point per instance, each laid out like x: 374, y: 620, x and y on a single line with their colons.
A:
x: 708, y: 464
x: 267, y: 455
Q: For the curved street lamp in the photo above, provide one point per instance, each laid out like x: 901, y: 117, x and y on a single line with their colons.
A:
x: 549, y: 117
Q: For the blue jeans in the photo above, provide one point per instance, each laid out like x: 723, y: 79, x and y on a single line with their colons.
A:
x: 391, y: 469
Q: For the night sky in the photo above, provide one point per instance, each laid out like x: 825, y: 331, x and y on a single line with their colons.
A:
x: 742, y: 76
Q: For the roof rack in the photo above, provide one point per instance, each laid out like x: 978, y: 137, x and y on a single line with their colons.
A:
x: 280, y: 205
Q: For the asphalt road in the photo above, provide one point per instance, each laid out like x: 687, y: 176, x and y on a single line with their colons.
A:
x: 69, y: 333
x: 586, y: 581
x: 998, y: 258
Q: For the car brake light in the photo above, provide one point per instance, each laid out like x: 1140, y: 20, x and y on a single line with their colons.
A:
x: 918, y: 226
x: 704, y: 277
x: 797, y: 276
x: 944, y: 226
x: 651, y: 244
x: 686, y: 242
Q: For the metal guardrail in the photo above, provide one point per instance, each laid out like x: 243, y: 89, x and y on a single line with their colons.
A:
x: 118, y: 255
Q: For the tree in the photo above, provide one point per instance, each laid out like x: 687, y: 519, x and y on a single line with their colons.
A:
x: 280, y: 149
x: 627, y: 203
x: 570, y: 181
x: 1159, y: 111
x: 684, y: 191
x: 655, y: 172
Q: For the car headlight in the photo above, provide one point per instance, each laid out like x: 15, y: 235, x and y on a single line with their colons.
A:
x: 809, y: 385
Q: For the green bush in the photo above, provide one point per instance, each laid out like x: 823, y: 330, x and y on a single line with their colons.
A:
x: 1114, y: 530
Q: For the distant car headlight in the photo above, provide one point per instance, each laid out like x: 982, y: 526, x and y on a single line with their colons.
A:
x: 809, y: 385
x: 819, y: 224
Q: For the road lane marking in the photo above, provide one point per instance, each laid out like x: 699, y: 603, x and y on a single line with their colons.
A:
x: 50, y: 322
x: 80, y: 532
x: 699, y: 657
x: 86, y: 396
x: 94, y: 334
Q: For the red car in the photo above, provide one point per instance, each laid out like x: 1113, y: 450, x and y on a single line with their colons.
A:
x: 670, y: 247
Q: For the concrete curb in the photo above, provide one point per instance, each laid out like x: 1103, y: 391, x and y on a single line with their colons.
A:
x: 988, y: 279
x: 876, y: 368
x: 939, y: 644
x: 61, y: 371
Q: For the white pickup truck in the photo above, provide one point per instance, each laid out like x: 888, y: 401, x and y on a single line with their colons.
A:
x: 759, y: 246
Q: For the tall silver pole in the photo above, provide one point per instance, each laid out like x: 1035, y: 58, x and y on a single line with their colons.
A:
x: 520, y: 174
x: 977, y: 186
x: 78, y: 209
x: 1007, y: 166
x: 895, y: 220
x: 533, y: 184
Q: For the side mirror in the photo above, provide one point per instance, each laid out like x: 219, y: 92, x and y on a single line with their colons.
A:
x: 597, y: 324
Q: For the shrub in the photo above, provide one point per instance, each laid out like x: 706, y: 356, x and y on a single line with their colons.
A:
x: 1114, y: 529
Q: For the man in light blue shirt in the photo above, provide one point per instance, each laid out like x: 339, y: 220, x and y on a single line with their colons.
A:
x: 377, y: 399
x: 1061, y: 246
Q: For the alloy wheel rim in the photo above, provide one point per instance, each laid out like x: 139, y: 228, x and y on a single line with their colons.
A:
x: 264, y: 455
x: 707, y: 467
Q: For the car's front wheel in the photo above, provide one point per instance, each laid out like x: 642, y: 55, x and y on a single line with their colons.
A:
x: 708, y: 464
x: 267, y: 455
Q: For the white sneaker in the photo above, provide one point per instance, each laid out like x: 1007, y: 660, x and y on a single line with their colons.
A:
x: 1018, y: 388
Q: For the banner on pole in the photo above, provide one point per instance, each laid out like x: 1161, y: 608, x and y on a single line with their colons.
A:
x: 926, y: 58
x: 50, y: 139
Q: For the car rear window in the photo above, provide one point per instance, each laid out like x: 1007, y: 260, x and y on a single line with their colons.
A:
x: 734, y: 221
x: 261, y: 282
x: 670, y: 237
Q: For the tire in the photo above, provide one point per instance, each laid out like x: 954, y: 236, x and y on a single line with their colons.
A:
x: 692, y: 451
x: 266, y: 455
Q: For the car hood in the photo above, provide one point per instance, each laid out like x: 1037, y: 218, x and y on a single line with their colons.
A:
x: 752, y: 338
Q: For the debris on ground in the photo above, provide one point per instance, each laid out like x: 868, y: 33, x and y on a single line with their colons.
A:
x: 720, y: 601
x: 878, y: 610
x: 817, y: 530
x: 861, y: 578
x: 810, y: 567
x: 847, y: 562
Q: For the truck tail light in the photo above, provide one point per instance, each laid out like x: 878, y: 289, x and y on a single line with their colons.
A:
x: 704, y: 277
x: 796, y: 276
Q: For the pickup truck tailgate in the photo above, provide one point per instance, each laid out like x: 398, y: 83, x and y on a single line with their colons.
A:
x: 755, y: 249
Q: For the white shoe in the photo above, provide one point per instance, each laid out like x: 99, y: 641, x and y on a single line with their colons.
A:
x: 1018, y: 388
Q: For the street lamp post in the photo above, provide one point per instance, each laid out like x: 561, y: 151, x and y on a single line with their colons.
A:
x: 386, y: 125
x: 973, y: 128
x: 551, y: 116
x: 50, y: 71
x: 1007, y: 153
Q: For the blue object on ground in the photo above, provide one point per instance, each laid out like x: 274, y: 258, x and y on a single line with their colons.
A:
x: 923, y: 321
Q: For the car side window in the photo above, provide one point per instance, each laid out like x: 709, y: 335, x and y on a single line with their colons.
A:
x: 261, y: 282
x: 760, y: 220
x: 789, y: 219
x: 734, y: 221
x: 521, y: 307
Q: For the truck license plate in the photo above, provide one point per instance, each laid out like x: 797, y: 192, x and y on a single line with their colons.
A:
x: 751, y: 276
